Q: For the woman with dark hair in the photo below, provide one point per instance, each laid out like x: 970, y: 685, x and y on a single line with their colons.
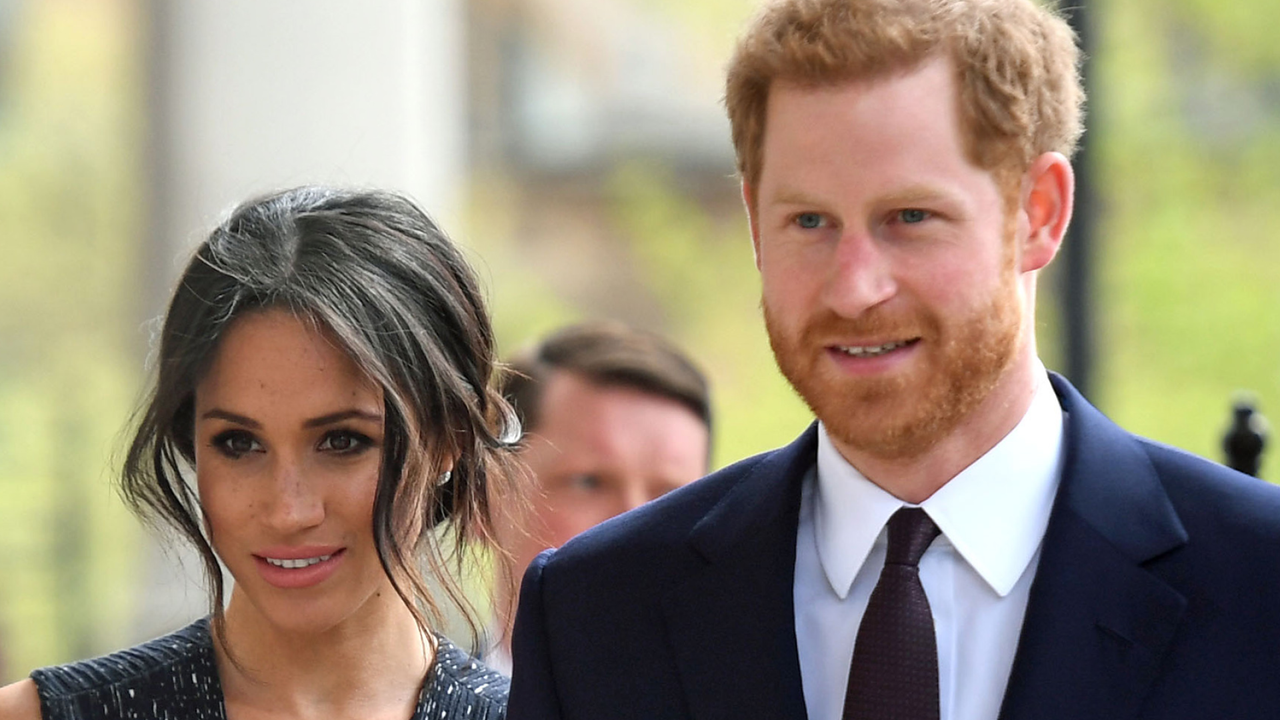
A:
x: 324, y: 383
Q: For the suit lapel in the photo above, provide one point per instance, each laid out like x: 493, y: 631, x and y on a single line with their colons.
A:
x: 1098, y: 623
x: 732, y: 625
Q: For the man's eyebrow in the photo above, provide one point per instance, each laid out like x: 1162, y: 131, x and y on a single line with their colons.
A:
x: 903, y: 196
x: 788, y: 196
x: 916, y: 194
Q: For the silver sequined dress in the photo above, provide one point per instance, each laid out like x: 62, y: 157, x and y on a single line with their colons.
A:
x: 175, y: 678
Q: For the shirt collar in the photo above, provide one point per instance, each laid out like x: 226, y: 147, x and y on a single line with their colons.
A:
x: 1015, y: 481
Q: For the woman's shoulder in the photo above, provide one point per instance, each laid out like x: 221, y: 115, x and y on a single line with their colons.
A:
x: 20, y: 701
x: 461, y: 686
x: 171, y: 676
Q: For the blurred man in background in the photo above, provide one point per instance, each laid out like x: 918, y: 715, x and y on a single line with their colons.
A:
x: 613, y: 418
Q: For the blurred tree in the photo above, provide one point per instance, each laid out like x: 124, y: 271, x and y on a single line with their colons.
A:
x: 1188, y: 139
x: 70, y: 205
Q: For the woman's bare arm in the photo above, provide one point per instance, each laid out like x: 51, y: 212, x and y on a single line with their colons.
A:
x: 20, y: 701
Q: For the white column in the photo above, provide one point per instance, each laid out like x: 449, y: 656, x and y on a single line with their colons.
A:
x: 263, y: 94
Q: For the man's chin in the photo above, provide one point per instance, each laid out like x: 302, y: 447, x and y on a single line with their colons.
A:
x: 882, y: 423
x: 885, y: 440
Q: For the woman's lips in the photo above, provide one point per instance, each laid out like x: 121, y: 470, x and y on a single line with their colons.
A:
x: 294, y: 568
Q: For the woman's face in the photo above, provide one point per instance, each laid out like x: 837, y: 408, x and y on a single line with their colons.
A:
x: 288, y: 436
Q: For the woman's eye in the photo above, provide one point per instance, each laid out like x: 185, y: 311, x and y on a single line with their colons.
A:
x: 344, y: 442
x: 236, y: 443
x: 810, y: 220
x: 912, y: 216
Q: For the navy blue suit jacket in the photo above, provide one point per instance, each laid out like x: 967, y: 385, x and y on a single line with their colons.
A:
x: 1157, y: 595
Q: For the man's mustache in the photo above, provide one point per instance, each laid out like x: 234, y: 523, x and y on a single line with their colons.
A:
x: 830, y: 328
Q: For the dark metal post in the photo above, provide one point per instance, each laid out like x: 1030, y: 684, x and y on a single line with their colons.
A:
x: 1077, y: 291
x: 1245, y: 439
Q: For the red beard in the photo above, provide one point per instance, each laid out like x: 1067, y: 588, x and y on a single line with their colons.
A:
x: 905, y: 413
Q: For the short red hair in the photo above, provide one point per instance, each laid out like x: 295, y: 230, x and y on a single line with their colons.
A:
x: 1016, y: 63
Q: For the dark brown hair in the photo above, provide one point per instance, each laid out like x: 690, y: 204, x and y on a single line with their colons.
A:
x: 609, y: 354
x: 378, y: 275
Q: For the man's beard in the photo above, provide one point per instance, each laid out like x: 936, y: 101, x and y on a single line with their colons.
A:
x: 904, y: 414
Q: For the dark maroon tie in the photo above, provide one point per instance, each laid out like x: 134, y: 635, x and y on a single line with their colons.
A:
x: 894, y: 673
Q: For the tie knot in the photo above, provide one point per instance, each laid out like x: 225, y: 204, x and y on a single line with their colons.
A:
x: 910, y: 532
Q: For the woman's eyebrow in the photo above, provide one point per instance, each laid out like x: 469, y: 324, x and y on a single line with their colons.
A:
x: 219, y: 414
x: 341, y: 415
x: 329, y: 419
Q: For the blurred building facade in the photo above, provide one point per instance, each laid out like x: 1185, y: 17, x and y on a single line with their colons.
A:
x: 564, y: 95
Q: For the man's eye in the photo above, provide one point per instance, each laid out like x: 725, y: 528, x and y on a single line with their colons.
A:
x: 235, y: 443
x: 584, y: 481
x: 344, y: 442
x: 912, y: 216
x: 810, y: 220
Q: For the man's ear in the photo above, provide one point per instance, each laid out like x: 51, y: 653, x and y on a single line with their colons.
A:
x: 1048, y: 194
x: 752, y: 220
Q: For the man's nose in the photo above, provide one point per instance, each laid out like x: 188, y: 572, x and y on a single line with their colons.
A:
x: 861, y: 274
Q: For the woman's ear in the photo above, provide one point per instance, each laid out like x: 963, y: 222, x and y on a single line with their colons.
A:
x: 1048, y: 193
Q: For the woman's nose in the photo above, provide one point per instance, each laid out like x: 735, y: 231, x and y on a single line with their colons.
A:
x: 294, y: 504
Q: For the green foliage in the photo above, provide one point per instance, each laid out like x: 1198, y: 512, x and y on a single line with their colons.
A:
x: 1188, y: 260
x: 69, y: 219
x: 1241, y: 35
x: 523, y: 304
x: 706, y: 278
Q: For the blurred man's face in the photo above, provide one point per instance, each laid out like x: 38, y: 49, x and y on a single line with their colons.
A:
x: 600, y: 451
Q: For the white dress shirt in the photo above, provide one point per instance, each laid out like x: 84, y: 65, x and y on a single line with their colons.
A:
x: 977, y: 574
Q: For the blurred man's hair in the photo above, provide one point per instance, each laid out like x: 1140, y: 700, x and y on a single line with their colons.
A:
x: 607, y: 354
x: 1016, y: 67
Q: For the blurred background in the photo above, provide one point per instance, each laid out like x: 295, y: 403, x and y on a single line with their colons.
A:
x: 578, y: 149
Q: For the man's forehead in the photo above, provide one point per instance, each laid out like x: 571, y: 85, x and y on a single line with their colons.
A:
x: 900, y: 132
